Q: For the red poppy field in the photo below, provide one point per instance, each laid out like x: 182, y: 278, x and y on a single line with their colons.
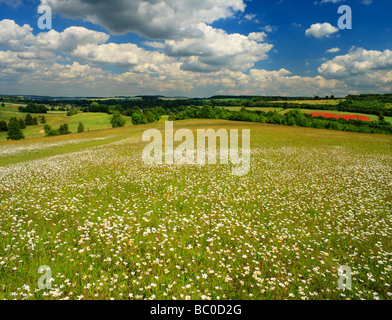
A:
x: 340, y: 116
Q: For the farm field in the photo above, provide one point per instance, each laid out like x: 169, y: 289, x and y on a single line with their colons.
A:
x: 111, y: 227
x: 341, y: 116
x: 91, y: 121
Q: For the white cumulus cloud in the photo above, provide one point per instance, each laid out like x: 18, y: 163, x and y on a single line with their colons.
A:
x: 319, y: 30
x: 155, y: 19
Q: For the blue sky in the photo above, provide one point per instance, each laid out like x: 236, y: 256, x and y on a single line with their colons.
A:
x: 195, y: 48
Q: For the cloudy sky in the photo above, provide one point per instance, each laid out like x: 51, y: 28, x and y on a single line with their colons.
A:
x: 195, y: 48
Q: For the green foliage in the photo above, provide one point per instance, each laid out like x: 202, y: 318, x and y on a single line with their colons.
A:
x: 143, y: 118
x: 80, y: 127
x: 131, y: 111
x: 53, y: 132
x: 150, y: 117
x: 35, y: 121
x: 29, y: 120
x: 136, y: 119
x: 64, y: 129
x: 43, y: 120
x: 113, y: 109
x: 291, y: 118
x: 34, y: 108
x: 206, y: 112
x: 47, y: 128
x: 95, y: 107
x: 72, y: 112
x: 3, y: 126
x: 22, y: 124
x: 14, y: 131
x: 117, y: 120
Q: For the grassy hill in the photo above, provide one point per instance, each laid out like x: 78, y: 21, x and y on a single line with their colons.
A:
x: 91, y: 121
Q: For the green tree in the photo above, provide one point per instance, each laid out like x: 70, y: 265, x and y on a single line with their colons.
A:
x: 22, y: 124
x: 47, y: 128
x: 117, y: 120
x: 53, y: 132
x: 113, y: 109
x: 35, y: 121
x: 2, y: 104
x: 94, y: 107
x: 150, y: 117
x: 71, y: 112
x: 207, y: 112
x: 43, y: 120
x: 29, y: 120
x: 290, y: 121
x: 136, y: 119
x: 64, y: 129
x: 144, y: 118
x: 14, y: 131
x: 3, y: 126
x: 80, y: 127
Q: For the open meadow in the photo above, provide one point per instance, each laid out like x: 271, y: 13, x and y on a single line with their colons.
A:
x: 111, y: 227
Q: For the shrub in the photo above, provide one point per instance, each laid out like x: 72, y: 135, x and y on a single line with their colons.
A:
x: 117, y: 120
x: 47, y: 128
x: 150, y: 117
x: 136, y: 119
x: 29, y: 120
x: 3, y: 125
x: 22, y: 124
x: 144, y: 119
x: 14, y: 131
x: 53, y: 132
x: 81, y: 127
x: 72, y: 112
x: 64, y: 129
x: 34, y: 108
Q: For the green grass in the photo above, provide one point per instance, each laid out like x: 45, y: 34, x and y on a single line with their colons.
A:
x: 91, y: 121
x: 110, y: 226
x: 8, y: 107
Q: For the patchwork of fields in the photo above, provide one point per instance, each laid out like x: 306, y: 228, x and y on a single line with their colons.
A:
x: 110, y: 226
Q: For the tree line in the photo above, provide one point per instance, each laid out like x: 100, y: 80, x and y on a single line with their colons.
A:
x: 292, y: 118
